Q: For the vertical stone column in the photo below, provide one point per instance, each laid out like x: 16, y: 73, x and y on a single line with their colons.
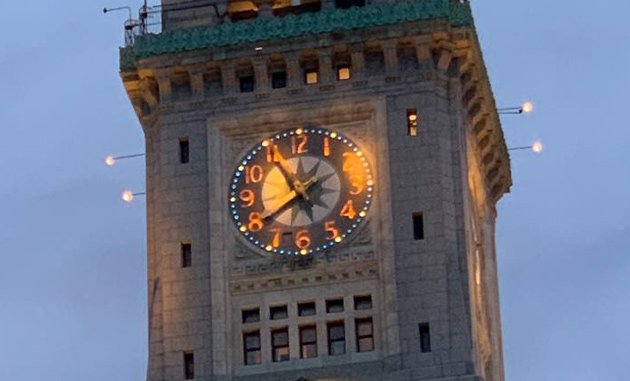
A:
x: 149, y: 91
x: 163, y: 77
x: 229, y: 78
x: 196, y: 81
x: 357, y: 58
x: 294, y: 72
x: 390, y: 55
x: 261, y: 75
x: 325, y: 68
x: 423, y: 52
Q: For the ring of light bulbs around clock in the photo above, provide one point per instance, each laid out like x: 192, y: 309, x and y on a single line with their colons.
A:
x: 336, y: 139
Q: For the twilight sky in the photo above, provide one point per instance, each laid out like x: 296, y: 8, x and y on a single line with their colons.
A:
x: 72, y: 255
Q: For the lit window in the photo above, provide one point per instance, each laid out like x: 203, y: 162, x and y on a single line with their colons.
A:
x: 306, y: 309
x: 251, y: 315
x: 189, y: 365
x: 279, y: 312
x: 418, y: 226
x: 412, y: 122
x: 336, y: 338
x: 363, y: 302
x: 279, y: 80
x: 308, y: 342
x: 334, y: 306
x: 310, y: 77
x: 246, y: 84
x: 425, y: 337
x: 186, y: 249
x: 280, y: 345
x: 343, y: 73
x: 365, y: 335
x: 251, y: 348
x: 184, y: 150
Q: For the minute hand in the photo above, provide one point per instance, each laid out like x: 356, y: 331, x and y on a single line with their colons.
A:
x: 288, y: 199
x: 294, y: 182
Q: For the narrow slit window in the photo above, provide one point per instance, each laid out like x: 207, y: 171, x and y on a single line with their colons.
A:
x: 343, y: 73
x: 251, y: 348
x: 251, y: 315
x: 336, y: 338
x: 308, y: 342
x: 418, y: 226
x: 412, y: 122
x: 280, y: 345
x: 425, y: 337
x: 365, y: 335
x: 186, y: 249
x: 279, y: 79
x: 311, y: 77
x: 184, y: 150
x: 246, y: 83
x: 189, y: 365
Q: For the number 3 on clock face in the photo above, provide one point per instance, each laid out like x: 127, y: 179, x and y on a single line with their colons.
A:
x: 301, y: 191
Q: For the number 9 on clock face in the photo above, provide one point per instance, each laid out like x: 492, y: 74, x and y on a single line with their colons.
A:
x: 301, y: 191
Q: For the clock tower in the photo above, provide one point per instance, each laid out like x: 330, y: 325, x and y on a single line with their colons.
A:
x: 322, y: 180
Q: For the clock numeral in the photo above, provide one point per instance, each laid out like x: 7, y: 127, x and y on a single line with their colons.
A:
x: 275, y: 242
x: 253, y: 174
x: 270, y: 153
x: 302, y: 240
x: 298, y: 144
x: 255, y: 222
x: 326, y: 146
x: 348, y: 162
x: 357, y: 183
x: 332, y: 231
x: 348, y: 210
x: 248, y: 197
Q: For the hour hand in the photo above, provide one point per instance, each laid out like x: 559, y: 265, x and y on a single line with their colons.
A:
x: 284, y: 201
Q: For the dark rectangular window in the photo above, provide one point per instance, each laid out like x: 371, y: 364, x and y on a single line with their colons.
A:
x: 306, y: 309
x: 186, y: 249
x: 279, y: 79
x: 278, y: 312
x: 365, y: 335
x: 345, y: 4
x: 246, y: 83
x: 184, y: 150
x: 334, y: 306
x: 280, y: 345
x: 336, y: 338
x: 251, y: 348
x: 308, y: 342
x: 412, y: 122
x: 251, y: 315
x: 363, y: 302
x: 418, y: 226
x: 189, y: 365
x: 425, y: 337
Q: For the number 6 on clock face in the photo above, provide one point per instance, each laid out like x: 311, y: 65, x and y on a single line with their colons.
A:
x: 301, y: 191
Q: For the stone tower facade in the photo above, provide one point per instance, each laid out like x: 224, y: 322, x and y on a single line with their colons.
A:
x: 412, y: 295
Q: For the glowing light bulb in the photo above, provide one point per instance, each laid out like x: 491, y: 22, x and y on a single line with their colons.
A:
x: 537, y: 147
x: 109, y: 160
x: 303, y: 252
x: 127, y: 196
x: 527, y: 107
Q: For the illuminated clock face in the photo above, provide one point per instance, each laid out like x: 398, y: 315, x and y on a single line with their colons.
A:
x: 301, y: 191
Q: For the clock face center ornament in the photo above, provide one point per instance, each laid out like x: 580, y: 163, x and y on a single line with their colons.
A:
x: 301, y: 191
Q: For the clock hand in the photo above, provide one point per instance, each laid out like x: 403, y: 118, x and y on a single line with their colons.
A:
x: 291, y: 178
x: 288, y: 199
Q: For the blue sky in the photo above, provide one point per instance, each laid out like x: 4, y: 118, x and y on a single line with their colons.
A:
x: 72, y: 255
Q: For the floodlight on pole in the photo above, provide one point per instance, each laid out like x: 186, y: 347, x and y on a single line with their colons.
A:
x: 110, y: 160
x: 128, y: 196
x: 525, y: 108
x: 536, y: 147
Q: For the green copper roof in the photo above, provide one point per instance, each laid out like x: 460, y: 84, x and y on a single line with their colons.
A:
x: 258, y: 30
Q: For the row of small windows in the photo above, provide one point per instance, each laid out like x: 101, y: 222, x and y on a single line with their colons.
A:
x: 252, y: 315
x: 247, y: 83
x: 295, y: 7
x: 336, y: 336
